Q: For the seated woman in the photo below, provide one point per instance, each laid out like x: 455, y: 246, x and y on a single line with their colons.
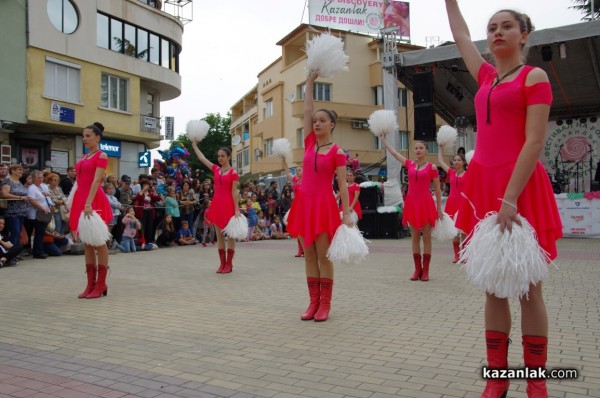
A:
x: 8, y: 252
x: 167, y: 232
x: 277, y: 229
x: 55, y: 243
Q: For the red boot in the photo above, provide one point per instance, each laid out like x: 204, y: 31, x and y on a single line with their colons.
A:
x: 456, y: 245
x: 325, y: 304
x: 418, y: 269
x: 534, y: 356
x: 497, y: 356
x: 300, y: 250
x: 90, y: 270
x: 222, y: 257
x: 100, y: 289
x: 426, y: 261
x: 314, y: 292
x: 229, y: 261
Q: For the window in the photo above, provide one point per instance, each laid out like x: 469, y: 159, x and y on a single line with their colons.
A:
x: 268, y: 147
x: 402, y: 97
x: 378, y: 96
x: 150, y: 104
x: 432, y: 146
x: 164, y: 53
x: 268, y: 111
x: 142, y: 45
x: 63, y: 15
x: 62, y: 80
x: 238, y: 160
x: 300, y: 138
x: 154, y: 48
x: 102, y: 39
x: 114, y: 93
x: 128, y: 45
x: 246, y: 157
x: 116, y: 35
x: 403, y: 141
x: 322, y: 91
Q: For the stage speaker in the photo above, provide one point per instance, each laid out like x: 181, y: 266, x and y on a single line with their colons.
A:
x: 595, y: 186
x: 389, y: 225
x: 368, y: 224
x: 424, y: 121
x: 369, y: 198
x: 423, y: 88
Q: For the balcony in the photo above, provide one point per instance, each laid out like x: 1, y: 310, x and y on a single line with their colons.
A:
x: 150, y: 125
x: 176, y: 8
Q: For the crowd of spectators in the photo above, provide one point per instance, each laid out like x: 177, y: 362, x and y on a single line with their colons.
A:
x: 150, y: 212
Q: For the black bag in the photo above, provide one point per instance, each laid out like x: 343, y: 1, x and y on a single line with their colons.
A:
x: 43, y: 217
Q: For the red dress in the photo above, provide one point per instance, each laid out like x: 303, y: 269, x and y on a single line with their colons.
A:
x: 295, y: 202
x: 222, y: 207
x: 315, y: 210
x: 353, y: 189
x: 498, y: 147
x: 419, y: 208
x: 455, y: 196
x: 85, y: 170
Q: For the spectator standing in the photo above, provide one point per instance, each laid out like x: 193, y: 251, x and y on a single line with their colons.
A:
x: 145, y: 209
x: 60, y: 202
x: 172, y: 208
x: 132, y: 226
x: 16, y: 194
x: 40, y: 202
x: 66, y: 183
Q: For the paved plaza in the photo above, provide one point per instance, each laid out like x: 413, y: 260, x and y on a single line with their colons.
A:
x: 171, y: 327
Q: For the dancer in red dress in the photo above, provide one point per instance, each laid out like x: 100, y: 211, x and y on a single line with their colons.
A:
x: 317, y: 216
x: 353, y: 194
x: 88, y: 197
x: 455, y: 179
x: 505, y: 174
x: 224, y: 204
x: 419, y: 211
x: 296, y: 181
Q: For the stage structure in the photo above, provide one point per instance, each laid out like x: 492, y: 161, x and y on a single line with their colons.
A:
x: 570, y: 56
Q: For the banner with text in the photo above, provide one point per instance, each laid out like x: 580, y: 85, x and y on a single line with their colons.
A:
x: 366, y: 16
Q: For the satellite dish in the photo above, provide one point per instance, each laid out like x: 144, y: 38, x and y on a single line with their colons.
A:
x: 236, y: 140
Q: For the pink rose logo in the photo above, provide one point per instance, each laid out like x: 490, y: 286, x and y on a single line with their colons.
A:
x: 575, y: 148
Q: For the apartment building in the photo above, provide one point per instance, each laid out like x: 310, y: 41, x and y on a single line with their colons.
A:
x: 73, y: 62
x: 274, y: 107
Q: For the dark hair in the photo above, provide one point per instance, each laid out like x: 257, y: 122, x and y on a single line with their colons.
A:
x: 462, y: 157
x: 331, y: 113
x: 97, y: 128
x: 461, y: 150
x: 23, y: 178
x: 523, y: 19
x: 226, y: 150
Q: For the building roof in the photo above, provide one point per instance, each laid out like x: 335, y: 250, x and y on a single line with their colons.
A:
x: 575, y: 79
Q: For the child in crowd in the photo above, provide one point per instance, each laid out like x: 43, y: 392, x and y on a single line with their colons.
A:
x: 207, y: 226
x: 132, y: 225
x: 263, y: 231
x: 184, y: 235
x: 277, y: 229
x: 168, y: 233
x: 252, y: 217
x: 115, y: 205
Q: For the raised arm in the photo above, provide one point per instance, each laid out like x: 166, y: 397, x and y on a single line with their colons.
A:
x: 394, y: 153
x: 309, y: 102
x: 287, y: 170
x: 441, y: 159
x: 462, y: 37
x: 201, y: 156
x: 343, y: 192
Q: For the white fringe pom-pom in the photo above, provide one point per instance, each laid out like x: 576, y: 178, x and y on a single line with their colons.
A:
x: 197, y: 129
x: 352, y: 214
x: 383, y: 122
x: 285, y: 217
x: 469, y: 156
x: 326, y: 55
x: 237, y: 228
x: 387, y: 209
x: 348, y: 246
x: 444, y: 229
x: 446, y: 136
x: 71, y: 196
x: 281, y: 147
x: 504, y: 264
x: 93, y: 230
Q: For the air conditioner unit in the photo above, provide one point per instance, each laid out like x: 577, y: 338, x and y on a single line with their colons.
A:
x: 360, y: 124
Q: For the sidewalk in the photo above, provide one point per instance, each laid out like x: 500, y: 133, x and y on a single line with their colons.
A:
x: 171, y: 327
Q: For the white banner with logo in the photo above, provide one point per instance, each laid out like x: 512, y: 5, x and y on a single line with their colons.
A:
x: 366, y: 16
x: 580, y: 217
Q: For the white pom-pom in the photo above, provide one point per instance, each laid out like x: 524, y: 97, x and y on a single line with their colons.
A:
x: 237, y: 228
x: 326, y: 55
x: 383, y: 122
x: 444, y: 229
x: 446, y: 136
x: 285, y: 217
x: 348, y: 246
x: 352, y: 214
x: 469, y: 156
x: 281, y: 147
x: 504, y: 264
x: 71, y: 196
x: 197, y: 129
x: 93, y: 230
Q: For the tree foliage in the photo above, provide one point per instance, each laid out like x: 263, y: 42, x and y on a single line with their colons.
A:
x: 585, y: 7
x: 218, y: 136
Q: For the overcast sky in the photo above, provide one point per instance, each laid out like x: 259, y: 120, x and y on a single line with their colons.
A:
x: 229, y: 42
